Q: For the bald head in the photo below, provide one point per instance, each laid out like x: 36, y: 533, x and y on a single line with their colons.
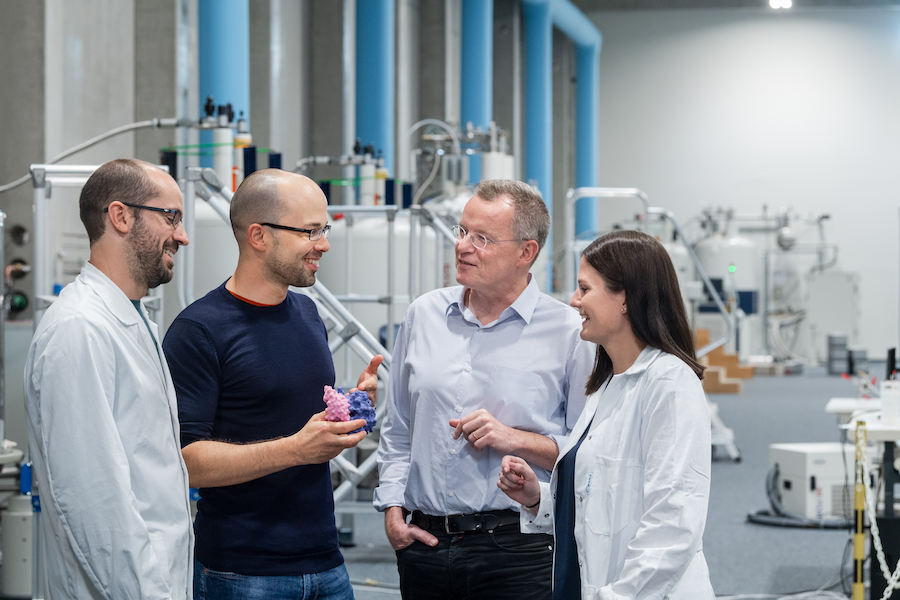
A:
x: 263, y: 197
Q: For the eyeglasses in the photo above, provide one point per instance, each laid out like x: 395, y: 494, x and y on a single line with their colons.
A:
x: 314, y: 234
x: 478, y: 239
x: 173, y: 215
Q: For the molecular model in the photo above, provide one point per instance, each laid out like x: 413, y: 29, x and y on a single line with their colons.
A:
x: 341, y: 407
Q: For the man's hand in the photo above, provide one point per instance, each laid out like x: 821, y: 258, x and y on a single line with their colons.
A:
x: 213, y: 463
x: 401, y: 534
x: 482, y: 430
x: 518, y: 481
x: 368, y: 380
x: 320, y: 440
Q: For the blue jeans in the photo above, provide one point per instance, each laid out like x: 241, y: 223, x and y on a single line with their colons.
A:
x: 333, y: 584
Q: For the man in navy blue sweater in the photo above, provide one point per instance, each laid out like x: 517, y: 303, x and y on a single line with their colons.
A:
x: 250, y: 361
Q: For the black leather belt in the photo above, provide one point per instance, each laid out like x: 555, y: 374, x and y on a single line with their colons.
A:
x: 477, y: 522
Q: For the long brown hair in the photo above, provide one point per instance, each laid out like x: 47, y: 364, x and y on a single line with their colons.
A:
x: 637, y: 264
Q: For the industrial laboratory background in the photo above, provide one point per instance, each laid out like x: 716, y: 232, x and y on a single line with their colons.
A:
x: 758, y: 141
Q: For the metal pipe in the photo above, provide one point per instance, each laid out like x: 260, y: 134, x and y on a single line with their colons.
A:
x: 344, y: 314
x: 211, y: 179
x: 364, y: 469
x: 363, y: 210
x: 729, y: 326
x: 41, y: 272
x: 182, y: 80
x: 82, y: 171
x: 539, y: 105
x: 348, y: 277
x: 540, y: 16
x: 572, y: 197
x: 413, y: 249
x: 588, y: 41
x: 217, y: 203
x: 454, y: 137
x: 389, y: 336
x: 188, y: 222
x: 407, y: 83
x: 369, y: 347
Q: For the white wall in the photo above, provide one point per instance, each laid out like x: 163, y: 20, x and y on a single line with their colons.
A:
x: 740, y: 108
x: 89, y: 76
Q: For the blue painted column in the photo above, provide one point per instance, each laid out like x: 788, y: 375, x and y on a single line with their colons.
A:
x: 539, y: 96
x: 587, y: 135
x: 587, y: 40
x: 224, y: 56
x: 375, y: 76
x: 477, y: 77
x: 539, y: 102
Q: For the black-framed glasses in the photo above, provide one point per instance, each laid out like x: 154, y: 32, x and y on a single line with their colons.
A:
x: 314, y: 234
x: 478, y: 239
x: 173, y: 215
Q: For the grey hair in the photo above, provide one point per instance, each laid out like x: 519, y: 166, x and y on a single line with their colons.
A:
x: 531, y: 220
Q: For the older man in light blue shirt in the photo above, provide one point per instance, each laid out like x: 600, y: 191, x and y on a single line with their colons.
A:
x: 488, y: 368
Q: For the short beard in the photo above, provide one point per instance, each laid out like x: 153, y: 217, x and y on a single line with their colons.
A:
x: 145, y: 261
x: 292, y: 272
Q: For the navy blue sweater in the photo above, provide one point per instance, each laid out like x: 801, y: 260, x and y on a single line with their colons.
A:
x: 244, y: 374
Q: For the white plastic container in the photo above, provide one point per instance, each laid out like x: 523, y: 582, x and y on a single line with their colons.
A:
x: 890, y: 403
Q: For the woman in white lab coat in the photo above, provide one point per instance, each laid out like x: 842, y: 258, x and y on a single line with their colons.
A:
x: 628, y: 497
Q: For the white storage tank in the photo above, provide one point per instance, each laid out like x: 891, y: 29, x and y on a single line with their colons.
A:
x: 215, y: 257
x: 733, y: 259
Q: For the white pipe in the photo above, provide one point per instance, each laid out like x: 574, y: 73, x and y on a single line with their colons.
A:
x: 407, y: 91
x: 223, y: 154
x: 190, y: 185
x: 389, y: 336
x: 212, y: 180
x: 41, y: 272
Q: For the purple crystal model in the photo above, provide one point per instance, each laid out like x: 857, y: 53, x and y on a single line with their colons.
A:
x: 338, y: 407
x: 341, y: 407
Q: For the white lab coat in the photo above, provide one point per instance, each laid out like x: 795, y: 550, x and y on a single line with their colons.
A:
x: 641, y: 485
x: 103, y: 433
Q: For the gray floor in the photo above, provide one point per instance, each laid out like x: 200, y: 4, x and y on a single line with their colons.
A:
x: 743, y: 558
x: 748, y: 558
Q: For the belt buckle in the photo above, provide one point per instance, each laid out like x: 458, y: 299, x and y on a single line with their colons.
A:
x: 447, y: 526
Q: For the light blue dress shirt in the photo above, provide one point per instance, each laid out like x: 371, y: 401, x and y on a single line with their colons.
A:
x: 528, y: 369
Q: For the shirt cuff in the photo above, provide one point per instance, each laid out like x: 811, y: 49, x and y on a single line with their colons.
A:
x: 542, y: 522
x: 385, y: 497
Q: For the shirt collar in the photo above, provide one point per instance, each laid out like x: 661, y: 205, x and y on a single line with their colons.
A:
x: 644, y: 360
x: 112, y: 295
x: 524, y: 305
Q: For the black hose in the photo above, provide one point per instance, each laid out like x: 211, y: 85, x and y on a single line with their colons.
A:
x: 778, y: 516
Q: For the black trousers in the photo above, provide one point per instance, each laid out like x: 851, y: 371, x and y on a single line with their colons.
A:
x: 505, y: 564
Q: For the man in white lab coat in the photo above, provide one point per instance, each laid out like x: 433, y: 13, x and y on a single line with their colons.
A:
x: 102, y: 416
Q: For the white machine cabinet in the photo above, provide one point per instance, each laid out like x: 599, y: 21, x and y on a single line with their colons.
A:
x: 812, y: 478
